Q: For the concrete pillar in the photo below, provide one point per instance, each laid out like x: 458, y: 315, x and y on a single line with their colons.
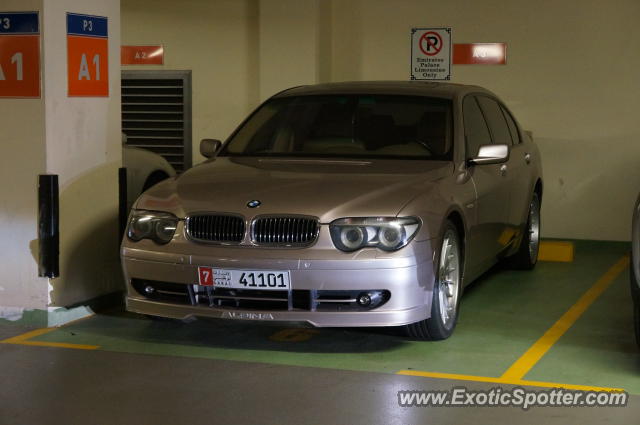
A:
x: 78, y: 139
x: 292, y: 36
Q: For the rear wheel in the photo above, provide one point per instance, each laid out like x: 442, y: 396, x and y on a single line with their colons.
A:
x: 527, y: 255
x: 447, y: 289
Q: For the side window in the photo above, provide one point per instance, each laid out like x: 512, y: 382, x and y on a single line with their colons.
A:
x: 475, y: 128
x: 496, y: 121
x: 513, y: 128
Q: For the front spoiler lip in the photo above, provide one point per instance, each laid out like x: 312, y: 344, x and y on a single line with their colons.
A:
x: 317, y: 319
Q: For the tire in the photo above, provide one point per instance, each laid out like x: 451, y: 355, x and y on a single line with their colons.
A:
x: 527, y: 255
x: 155, y: 178
x: 447, y: 290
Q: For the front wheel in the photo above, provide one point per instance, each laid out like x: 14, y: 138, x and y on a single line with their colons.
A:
x: 447, y: 289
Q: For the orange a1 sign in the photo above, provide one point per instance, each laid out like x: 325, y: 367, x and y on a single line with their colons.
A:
x: 19, y: 54
x: 87, y: 55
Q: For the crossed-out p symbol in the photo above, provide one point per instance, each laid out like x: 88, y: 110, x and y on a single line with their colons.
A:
x: 430, y: 43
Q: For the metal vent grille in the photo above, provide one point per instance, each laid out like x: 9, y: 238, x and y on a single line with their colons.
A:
x: 156, y: 114
x: 215, y: 228
x: 283, y: 231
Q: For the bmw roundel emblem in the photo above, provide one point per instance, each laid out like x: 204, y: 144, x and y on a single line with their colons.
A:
x: 254, y: 204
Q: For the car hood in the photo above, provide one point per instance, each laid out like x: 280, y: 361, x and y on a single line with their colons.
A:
x: 327, y: 189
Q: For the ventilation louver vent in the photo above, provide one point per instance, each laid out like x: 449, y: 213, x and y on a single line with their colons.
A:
x: 156, y: 116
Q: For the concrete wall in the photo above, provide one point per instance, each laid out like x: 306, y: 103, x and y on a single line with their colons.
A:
x: 84, y: 148
x: 289, y: 44
x: 571, y: 76
x: 79, y: 140
x: 217, y: 40
x: 22, y: 160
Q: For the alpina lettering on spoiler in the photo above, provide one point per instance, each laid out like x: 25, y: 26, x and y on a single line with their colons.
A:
x: 246, y: 316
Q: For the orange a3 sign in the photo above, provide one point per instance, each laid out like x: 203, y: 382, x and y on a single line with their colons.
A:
x: 87, y: 55
x: 19, y: 54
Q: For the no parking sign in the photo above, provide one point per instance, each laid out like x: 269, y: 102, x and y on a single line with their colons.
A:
x: 87, y: 55
x: 431, y: 53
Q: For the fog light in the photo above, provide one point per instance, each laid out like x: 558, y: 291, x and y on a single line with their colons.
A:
x: 364, y: 300
x: 372, y: 299
x: 149, y: 289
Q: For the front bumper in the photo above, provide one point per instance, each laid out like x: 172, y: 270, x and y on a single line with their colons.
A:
x: 409, y: 282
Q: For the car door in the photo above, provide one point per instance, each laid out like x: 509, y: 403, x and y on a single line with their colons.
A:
x: 520, y: 172
x: 492, y: 190
x: 510, y: 171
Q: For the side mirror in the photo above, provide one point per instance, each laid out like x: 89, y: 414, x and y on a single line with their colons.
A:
x: 491, y: 154
x: 209, y: 147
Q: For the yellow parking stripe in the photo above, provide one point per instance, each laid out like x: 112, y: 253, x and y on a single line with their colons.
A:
x: 24, y: 340
x: 558, y: 251
x: 515, y: 374
x: 503, y: 381
x: 524, y: 364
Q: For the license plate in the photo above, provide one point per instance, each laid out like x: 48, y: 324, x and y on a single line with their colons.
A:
x: 265, y: 280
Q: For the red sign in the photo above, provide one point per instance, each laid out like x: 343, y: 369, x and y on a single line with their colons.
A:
x: 142, y: 55
x: 431, y: 40
x: 205, y: 276
x: 87, y: 55
x: 19, y: 54
x: 480, y: 54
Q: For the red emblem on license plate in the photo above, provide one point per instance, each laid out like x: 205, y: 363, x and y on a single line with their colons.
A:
x: 205, y: 276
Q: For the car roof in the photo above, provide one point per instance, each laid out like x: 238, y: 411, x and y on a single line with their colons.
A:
x: 416, y: 88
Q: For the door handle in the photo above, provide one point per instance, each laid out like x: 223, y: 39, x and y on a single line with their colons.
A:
x: 503, y: 170
x: 527, y: 158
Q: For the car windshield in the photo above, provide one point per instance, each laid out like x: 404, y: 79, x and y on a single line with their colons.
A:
x: 347, y: 126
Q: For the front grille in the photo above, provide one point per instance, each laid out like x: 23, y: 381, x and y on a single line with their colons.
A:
x: 221, y: 228
x: 284, y: 230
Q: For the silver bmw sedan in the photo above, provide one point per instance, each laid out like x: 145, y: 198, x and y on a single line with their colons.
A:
x: 342, y: 205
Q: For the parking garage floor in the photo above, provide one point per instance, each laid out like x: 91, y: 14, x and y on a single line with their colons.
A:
x: 563, y: 325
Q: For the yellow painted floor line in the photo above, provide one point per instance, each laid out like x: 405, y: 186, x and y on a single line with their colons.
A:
x: 25, y: 336
x: 557, y: 251
x: 515, y: 374
x: 24, y: 339
x: 503, y: 381
x: 529, y: 359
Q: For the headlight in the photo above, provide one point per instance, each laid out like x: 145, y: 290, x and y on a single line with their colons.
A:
x: 387, y: 233
x: 157, y: 226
